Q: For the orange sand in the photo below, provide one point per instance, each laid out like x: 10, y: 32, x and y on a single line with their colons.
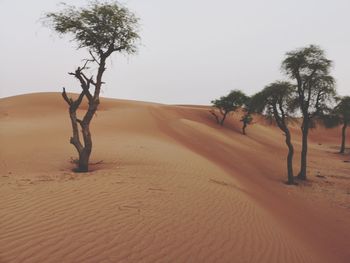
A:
x: 172, y: 187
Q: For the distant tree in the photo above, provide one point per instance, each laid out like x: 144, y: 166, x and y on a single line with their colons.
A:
x: 275, y: 101
x: 226, y: 104
x: 340, y: 115
x: 246, y: 119
x: 310, y: 68
x: 101, y: 28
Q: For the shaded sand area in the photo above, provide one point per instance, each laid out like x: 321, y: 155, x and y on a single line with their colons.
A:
x: 168, y: 185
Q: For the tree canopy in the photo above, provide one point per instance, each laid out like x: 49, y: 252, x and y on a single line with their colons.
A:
x: 101, y: 27
x: 315, y: 87
x: 304, y: 63
x: 229, y: 103
x: 275, y: 98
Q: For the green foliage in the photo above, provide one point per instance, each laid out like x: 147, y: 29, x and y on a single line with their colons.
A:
x: 331, y: 120
x: 100, y: 27
x: 278, y: 97
x: 323, y: 93
x: 339, y: 115
x: 315, y: 87
x: 234, y: 100
x: 343, y: 108
x: 247, y: 118
x: 305, y: 62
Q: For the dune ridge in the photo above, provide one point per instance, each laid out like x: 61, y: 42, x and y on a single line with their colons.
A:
x: 167, y: 185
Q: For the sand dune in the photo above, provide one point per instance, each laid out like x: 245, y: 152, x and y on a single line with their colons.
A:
x: 168, y: 185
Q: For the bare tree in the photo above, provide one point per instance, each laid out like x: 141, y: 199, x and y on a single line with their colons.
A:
x: 101, y: 28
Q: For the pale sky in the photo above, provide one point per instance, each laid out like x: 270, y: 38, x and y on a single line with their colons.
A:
x: 192, y: 51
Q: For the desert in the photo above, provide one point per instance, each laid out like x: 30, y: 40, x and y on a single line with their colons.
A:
x: 166, y: 185
x: 174, y: 131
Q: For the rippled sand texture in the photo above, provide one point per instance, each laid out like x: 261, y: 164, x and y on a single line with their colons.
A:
x: 168, y: 185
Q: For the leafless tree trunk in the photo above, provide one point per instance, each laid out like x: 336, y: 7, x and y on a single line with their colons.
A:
x: 304, y: 146
x: 343, y: 136
x: 244, y: 127
x: 281, y: 122
x: 84, y: 147
x: 224, y: 114
x: 212, y: 112
x: 289, y: 157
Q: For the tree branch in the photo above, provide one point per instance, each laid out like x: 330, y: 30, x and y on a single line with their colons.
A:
x: 84, y: 67
x: 65, y: 97
x: 119, y: 48
x: 216, y: 116
x: 88, y: 80
x: 93, y: 57
x: 77, y: 103
x: 84, y: 81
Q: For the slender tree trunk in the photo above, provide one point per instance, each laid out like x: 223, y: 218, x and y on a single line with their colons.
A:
x: 343, y: 136
x: 281, y: 122
x: 84, y: 155
x: 75, y: 139
x: 289, y: 157
x: 215, y: 116
x: 243, y: 128
x: 304, y: 146
x: 223, y: 119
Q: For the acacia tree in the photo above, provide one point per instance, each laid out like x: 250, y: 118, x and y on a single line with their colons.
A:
x: 246, y: 119
x: 275, y: 102
x: 315, y: 89
x: 340, y: 115
x: 226, y: 104
x: 102, y: 29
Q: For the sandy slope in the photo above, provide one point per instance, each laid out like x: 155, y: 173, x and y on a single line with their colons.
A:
x: 172, y: 187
